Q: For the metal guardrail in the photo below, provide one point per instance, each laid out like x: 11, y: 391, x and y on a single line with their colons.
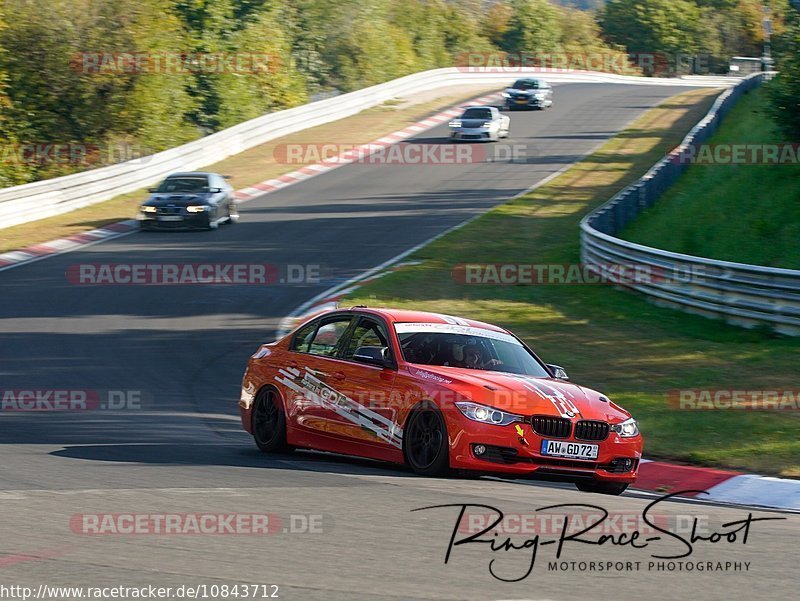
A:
x: 746, y: 295
x: 37, y: 200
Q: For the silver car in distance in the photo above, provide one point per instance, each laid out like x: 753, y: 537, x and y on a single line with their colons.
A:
x: 480, y: 123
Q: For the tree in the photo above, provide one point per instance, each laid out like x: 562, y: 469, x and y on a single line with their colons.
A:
x: 11, y: 172
x: 67, y: 84
x: 370, y: 49
x: 652, y: 26
x: 533, y: 28
x: 784, y: 90
x: 269, y: 80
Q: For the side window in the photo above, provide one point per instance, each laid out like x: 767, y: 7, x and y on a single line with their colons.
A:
x: 326, y: 340
x: 368, y: 338
x: 302, y: 340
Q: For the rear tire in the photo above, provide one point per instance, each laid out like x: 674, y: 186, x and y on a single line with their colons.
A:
x: 269, y: 423
x: 425, y: 443
x: 603, y: 488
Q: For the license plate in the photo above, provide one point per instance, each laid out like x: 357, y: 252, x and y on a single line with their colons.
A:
x: 170, y: 218
x: 571, y: 450
x: 522, y: 101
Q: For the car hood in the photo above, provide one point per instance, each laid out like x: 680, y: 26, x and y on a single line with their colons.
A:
x: 182, y: 199
x: 526, y: 395
x: 474, y: 123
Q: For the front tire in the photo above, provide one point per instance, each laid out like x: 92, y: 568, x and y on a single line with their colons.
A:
x: 269, y: 423
x: 603, y: 488
x: 425, y: 442
x: 233, y: 213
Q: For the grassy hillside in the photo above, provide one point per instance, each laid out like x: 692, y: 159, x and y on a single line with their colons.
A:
x: 743, y: 213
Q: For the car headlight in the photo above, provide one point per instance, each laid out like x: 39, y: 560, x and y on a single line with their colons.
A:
x: 506, y: 95
x: 539, y: 96
x: 626, y: 429
x: 487, y: 415
x: 455, y: 123
x: 196, y: 208
x: 148, y: 209
x: 487, y: 124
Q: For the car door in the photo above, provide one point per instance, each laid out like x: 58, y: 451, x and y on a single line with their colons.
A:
x: 312, y: 373
x: 367, y: 410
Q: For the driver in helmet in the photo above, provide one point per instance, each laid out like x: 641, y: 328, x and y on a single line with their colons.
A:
x: 473, y: 358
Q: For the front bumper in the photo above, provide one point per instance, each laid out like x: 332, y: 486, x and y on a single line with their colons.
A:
x: 509, y: 453
x: 186, y: 221
x: 476, y: 134
x: 530, y: 102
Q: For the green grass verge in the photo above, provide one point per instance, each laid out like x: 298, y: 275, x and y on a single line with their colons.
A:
x: 610, y: 339
x: 743, y: 213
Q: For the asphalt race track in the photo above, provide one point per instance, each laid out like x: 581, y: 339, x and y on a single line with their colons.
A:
x: 182, y: 350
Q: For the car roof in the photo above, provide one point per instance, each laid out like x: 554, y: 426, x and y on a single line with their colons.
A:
x: 409, y: 316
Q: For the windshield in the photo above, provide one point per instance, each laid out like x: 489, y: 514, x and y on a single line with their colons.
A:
x: 184, y: 184
x: 477, y: 114
x: 526, y: 84
x: 466, y: 347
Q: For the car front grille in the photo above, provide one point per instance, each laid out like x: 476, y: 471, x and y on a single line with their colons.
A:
x: 169, y: 210
x: 591, y: 430
x: 557, y: 427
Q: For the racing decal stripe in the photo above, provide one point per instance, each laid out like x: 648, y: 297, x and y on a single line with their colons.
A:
x: 562, y: 404
x: 313, y: 389
x: 409, y: 327
x: 456, y: 321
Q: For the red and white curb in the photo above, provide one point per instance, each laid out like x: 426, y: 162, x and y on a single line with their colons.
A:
x: 37, y: 252
x: 722, y: 486
x: 44, y: 250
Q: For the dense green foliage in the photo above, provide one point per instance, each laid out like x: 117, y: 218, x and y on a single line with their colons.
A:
x: 698, y: 34
x: 785, y: 89
x: 52, y: 92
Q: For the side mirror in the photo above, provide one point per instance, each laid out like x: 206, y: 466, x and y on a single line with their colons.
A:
x: 152, y: 190
x: 373, y: 355
x: 558, y: 372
